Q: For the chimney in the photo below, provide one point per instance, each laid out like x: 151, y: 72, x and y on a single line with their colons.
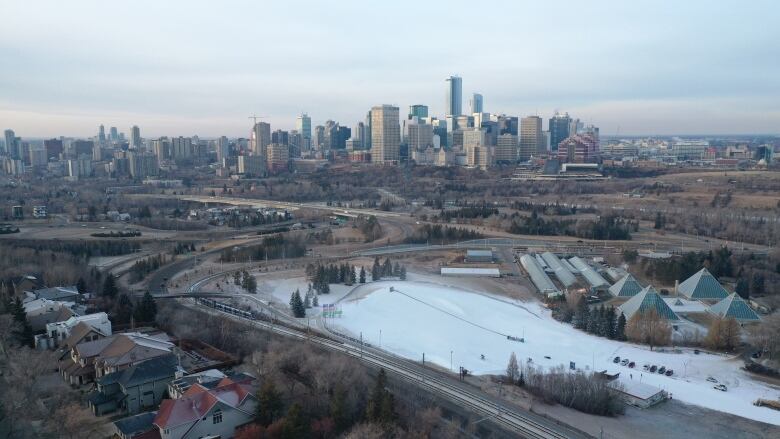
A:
x: 676, y: 284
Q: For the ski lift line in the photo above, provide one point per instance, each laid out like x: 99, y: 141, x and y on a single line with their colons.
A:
x: 451, y: 314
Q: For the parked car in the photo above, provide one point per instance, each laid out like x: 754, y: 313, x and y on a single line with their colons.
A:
x: 653, y: 368
x: 662, y: 370
x: 712, y: 380
x: 631, y: 365
x: 646, y: 366
x: 721, y: 387
x: 669, y: 372
x: 616, y: 360
x: 624, y: 362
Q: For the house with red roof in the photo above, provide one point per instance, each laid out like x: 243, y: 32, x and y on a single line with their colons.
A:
x: 207, y: 412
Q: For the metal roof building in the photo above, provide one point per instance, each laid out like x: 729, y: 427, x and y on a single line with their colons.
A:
x: 538, y: 276
x: 479, y: 255
x: 468, y: 271
x: 628, y: 286
x: 648, y: 299
x: 702, y: 285
x: 594, y: 279
x: 561, y: 272
x: 734, y: 306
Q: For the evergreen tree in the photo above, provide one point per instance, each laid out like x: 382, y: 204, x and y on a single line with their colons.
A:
x: 380, y: 407
x: 123, y: 310
x: 81, y: 286
x: 352, y: 277
x: 307, y: 301
x: 314, y: 301
x: 338, y: 410
x: 325, y: 288
x: 581, y: 315
x: 402, y: 275
x: 297, y: 306
x: 743, y: 288
x: 620, y: 328
x: 146, y: 311
x: 295, y: 424
x: 23, y: 332
x: 237, y: 278
x: 376, y: 271
x: 269, y: 404
x: 109, y: 286
x: 387, y: 268
x: 611, y: 323
x: 362, y: 275
x: 397, y: 270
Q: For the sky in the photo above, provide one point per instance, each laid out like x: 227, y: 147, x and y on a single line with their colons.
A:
x: 203, y: 67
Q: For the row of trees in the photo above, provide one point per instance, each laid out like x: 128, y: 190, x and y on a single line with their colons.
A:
x: 438, y: 234
x: 608, y: 227
x: 369, y: 226
x: 386, y: 269
x: 581, y: 391
x: 273, y: 247
x: 245, y: 280
x: 602, y: 321
x: 321, y: 276
x: 145, y: 266
x: 468, y: 212
x: 718, y: 262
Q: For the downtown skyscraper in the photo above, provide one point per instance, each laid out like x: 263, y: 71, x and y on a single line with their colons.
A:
x: 454, y: 104
x: 559, y: 126
x: 385, y: 134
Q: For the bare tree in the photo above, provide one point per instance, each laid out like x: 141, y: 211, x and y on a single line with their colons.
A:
x: 650, y: 328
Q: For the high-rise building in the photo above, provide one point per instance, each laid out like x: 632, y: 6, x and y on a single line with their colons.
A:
x: 303, y: 126
x: 559, y: 126
x: 506, y: 149
x: 579, y: 148
x: 161, y: 148
x: 367, y: 143
x: 473, y: 137
x: 454, y: 104
x: 281, y: 137
x: 53, y: 148
x: 476, y: 103
x: 80, y: 167
x: 251, y: 165
x: 359, y: 134
x: 319, y: 137
x: 142, y: 164
x: 532, y: 141
x: 260, y: 138
x: 419, y: 135
x: 38, y: 157
x: 114, y: 134
x: 278, y: 157
x: 385, y: 134
x: 181, y: 148
x: 12, y: 144
x: 101, y: 134
x: 508, y: 125
x: 223, y: 149
x: 418, y: 110
x: 81, y: 147
x: 135, y: 137
x: 295, y: 143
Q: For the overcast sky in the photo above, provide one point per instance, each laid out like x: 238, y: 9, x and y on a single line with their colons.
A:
x: 202, y: 67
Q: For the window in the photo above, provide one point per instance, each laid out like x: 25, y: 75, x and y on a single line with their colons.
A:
x: 216, y: 418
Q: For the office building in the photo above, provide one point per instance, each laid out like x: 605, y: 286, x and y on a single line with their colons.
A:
x: 80, y: 167
x: 479, y: 156
x: 419, y: 135
x: 53, y: 148
x: 142, y: 164
x: 506, y: 149
x: 532, y: 141
x: 260, y: 138
x: 102, y: 134
x: 38, y: 157
x: 689, y: 149
x: 579, y: 148
x: 385, y: 134
x: 359, y: 134
x: 135, y: 137
x: 114, y: 135
x: 161, y: 148
x: 303, y: 126
x: 559, y: 126
x: 81, y: 147
x: 418, y: 110
x: 476, y: 103
x: 453, y: 106
x: 181, y: 148
x: 296, y: 143
x: 278, y: 157
x: 280, y: 137
x: 223, y: 149
x: 12, y: 145
x: 508, y: 125
x: 251, y: 165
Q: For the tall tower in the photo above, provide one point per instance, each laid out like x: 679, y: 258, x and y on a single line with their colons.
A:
x: 385, y: 134
x: 559, y: 126
x: 476, y: 103
x: 10, y: 144
x: 418, y: 110
x: 303, y: 126
x: 102, y: 134
x: 261, y: 138
x: 454, y: 104
x: 223, y: 149
x: 532, y: 140
x: 135, y: 137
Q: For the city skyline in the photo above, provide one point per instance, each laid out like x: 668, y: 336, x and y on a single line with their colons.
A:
x: 635, y: 69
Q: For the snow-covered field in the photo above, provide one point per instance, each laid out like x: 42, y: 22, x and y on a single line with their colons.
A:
x: 443, y: 321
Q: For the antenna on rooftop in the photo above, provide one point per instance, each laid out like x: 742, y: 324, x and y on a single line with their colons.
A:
x: 254, y: 117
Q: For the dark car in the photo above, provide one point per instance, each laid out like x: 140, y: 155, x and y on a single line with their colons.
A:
x: 653, y: 368
x: 662, y: 370
x: 631, y: 365
x: 616, y: 360
x: 669, y: 372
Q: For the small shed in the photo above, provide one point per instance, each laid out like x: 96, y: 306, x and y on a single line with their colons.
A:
x: 638, y: 394
x: 479, y: 256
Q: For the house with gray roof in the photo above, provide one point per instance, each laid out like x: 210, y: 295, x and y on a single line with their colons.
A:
x: 139, y: 387
x: 646, y: 300
x: 702, y: 285
x: 734, y: 306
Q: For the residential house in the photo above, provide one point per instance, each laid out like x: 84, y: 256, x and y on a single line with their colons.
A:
x: 56, y: 332
x: 60, y: 294
x: 137, y: 427
x: 41, y: 312
x: 137, y: 388
x: 203, y: 412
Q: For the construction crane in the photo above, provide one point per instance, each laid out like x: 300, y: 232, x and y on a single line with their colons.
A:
x: 254, y: 117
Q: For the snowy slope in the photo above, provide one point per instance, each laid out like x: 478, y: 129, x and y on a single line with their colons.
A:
x: 437, y: 320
